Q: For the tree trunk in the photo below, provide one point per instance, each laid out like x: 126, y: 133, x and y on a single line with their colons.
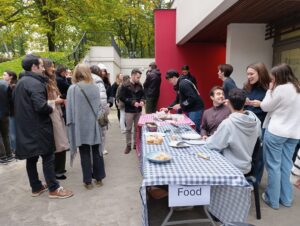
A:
x: 51, y: 43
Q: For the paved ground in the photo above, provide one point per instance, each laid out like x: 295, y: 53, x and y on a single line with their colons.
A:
x: 117, y: 203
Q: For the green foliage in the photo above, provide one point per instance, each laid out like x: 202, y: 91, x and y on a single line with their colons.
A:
x: 57, y: 25
x: 15, y: 65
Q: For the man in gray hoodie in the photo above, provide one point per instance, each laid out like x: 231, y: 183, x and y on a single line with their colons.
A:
x: 236, y: 136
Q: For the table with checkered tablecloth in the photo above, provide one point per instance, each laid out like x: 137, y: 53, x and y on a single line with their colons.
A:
x: 230, y: 192
x: 184, y: 120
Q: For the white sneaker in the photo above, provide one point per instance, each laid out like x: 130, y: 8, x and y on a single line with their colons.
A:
x: 105, y: 152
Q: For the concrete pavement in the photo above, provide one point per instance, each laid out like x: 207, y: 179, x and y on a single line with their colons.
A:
x: 117, y: 203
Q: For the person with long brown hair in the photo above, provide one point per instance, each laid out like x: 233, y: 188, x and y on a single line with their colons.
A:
x: 257, y: 84
x: 282, y: 134
x: 58, y: 122
x: 83, y: 109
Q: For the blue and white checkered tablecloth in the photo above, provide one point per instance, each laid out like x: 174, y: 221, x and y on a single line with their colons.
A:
x: 230, y: 193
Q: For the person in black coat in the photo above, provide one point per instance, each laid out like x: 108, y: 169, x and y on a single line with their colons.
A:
x: 185, y: 70
x: 152, y: 88
x: 63, y: 84
x: 187, y: 98
x: 34, y: 128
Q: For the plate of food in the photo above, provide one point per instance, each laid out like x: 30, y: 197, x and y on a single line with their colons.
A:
x: 154, y: 139
x: 155, y: 134
x: 178, y: 144
x: 191, y: 136
x: 159, y: 157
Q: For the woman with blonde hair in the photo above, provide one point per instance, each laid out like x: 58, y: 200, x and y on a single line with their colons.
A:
x: 83, y: 110
x: 58, y: 123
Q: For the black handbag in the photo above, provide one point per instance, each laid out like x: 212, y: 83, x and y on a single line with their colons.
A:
x: 102, y: 119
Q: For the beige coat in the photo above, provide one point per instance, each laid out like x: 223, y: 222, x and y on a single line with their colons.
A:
x: 59, y: 128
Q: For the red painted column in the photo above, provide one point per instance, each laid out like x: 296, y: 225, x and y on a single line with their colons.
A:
x: 202, y: 58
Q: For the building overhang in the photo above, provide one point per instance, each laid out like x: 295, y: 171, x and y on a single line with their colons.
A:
x: 213, y: 28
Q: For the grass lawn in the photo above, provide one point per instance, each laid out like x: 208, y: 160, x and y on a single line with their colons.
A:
x: 15, y: 65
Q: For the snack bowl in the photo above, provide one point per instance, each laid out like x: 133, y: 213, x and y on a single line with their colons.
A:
x: 151, y: 126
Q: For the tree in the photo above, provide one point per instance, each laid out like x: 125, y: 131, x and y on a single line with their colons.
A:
x: 59, y: 24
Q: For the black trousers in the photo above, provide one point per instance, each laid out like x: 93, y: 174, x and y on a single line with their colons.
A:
x: 91, y: 169
x: 60, y: 162
x: 5, y: 150
x: 48, y: 169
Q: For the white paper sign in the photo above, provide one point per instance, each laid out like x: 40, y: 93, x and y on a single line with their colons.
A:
x: 188, y: 195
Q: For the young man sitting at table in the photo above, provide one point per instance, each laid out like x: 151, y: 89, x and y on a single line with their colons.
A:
x: 213, y: 116
x: 236, y: 136
x: 187, y: 98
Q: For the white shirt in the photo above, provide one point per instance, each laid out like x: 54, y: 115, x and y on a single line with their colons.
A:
x: 282, y: 105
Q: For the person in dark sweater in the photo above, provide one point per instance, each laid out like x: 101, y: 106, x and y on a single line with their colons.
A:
x: 187, y: 98
x: 185, y: 70
x: 133, y: 96
x: 105, y: 77
x: 63, y: 84
x: 224, y: 73
x: 152, y: 88
x: 11, y: 78
x: 256, y: 88
x: 213, y: 116
x: 114, y: 88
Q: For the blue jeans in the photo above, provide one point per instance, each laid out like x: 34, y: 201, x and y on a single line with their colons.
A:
x: 48, y: 169
x: 196, y: 116
x: 278, y: 153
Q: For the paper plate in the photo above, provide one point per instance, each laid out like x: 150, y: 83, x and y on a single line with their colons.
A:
x: 152, y: 157
x: 196, y: 142
x: 191, y: 136
x: 178, y: 144
x: 155, y: 134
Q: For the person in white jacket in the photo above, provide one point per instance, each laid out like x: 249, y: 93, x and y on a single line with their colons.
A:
x: 236, y: 136
x: 282, y: 133
x: 95, y: 70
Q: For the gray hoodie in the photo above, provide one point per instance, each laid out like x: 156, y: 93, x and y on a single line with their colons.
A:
x: 235, y: 138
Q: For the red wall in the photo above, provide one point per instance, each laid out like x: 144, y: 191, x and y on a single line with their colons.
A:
x: 202, y: 59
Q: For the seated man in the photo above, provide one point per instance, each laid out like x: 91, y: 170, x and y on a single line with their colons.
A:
x: 236, y: 136
x: 213, y: 116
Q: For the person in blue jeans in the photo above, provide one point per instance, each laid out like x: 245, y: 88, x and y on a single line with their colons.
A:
x: 187, y: 99
x: 282, y: 134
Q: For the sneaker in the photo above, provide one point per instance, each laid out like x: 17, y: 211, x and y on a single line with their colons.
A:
x: 265, y: 199
x: 10, y: 158
x: 88, y: 186
x: 127, y: 150
x: 39, y: 192
x: 105, y: 152
x: 98, y: 183
x: 62, y: 177
x: 60, y: 193
x: 3, y: 161
x: 285, y: 205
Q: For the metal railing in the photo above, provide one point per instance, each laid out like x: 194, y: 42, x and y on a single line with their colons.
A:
x: 92, y: 39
